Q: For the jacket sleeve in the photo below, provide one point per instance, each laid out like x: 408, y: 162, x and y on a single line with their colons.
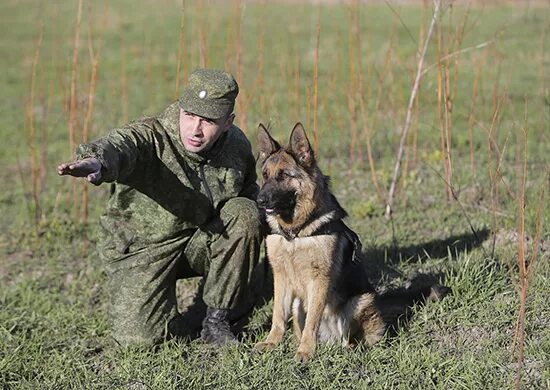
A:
x: 250, y: 187
x: 120, y: 151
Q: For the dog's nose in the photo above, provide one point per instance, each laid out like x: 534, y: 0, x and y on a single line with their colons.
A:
x: 261, y: 200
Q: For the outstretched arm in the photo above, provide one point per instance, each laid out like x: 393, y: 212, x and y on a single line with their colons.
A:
x: 90, y: 168
x: 113, y: 157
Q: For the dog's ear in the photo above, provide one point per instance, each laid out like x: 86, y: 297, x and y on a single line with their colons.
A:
x: 300, y: 146
x: 266, y: 143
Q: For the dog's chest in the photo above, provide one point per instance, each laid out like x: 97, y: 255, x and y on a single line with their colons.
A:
x: 301, y: 259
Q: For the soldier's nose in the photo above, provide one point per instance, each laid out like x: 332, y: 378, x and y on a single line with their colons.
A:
x: 197, y: 128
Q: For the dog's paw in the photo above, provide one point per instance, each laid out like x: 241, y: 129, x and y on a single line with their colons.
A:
x: 303, y: 356
x: 264, y: 346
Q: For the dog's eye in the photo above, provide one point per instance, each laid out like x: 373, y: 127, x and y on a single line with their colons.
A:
x: 282, y: 174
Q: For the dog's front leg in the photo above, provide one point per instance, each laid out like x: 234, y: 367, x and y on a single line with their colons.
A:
x: 298, y: 318
x: 316, y: 301
x: 282, y: 299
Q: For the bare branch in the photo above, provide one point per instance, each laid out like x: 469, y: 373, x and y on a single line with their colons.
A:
x: 456, y: 53
x: 408, y: 118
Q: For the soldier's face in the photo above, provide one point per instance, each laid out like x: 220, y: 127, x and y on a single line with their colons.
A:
x: 199, y: 134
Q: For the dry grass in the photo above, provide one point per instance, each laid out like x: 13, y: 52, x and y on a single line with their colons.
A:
x: 346, y: 71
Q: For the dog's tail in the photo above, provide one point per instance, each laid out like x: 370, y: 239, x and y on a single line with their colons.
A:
x: 376, y: 315
x: 395, y: 306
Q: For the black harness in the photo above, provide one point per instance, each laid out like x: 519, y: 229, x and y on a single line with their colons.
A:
x: 331, y: 227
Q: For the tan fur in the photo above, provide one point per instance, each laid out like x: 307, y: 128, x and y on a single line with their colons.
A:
x: 305, y: 268
x: 303, y: 271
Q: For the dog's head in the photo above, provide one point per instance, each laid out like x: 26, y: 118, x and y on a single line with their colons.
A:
x: 289, y: 176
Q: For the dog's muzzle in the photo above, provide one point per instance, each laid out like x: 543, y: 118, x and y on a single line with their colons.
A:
x: 277, y: 201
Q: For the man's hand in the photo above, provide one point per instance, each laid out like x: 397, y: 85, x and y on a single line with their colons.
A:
x: 90, y: 168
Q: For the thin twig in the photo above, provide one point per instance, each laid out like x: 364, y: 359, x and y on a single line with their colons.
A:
x: 494, y: 187
x: 539, y: 221
x: 316, y: 83
x: 22, y: 177
x: 459, y: 52
x: 462, y: 208
x: 259, y: 83
x: 180, y: 48
x: 445, y: 112
x: 203, y: 47
x: 35, y: 170
x: 95, y: 59
x: 401, y: 21
x: 473, y: 112
x: 366, y: 125
x: 526, y: 267
x: 243, y: 99
x: 73, y: 102
x: 405, y: 131
x: 351, y: 95
x: 523, y: 279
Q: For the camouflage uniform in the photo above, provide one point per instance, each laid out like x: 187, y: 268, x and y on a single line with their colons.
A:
x: 174, y: 214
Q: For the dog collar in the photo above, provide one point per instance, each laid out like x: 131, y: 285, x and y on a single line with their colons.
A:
x: 310, y: 227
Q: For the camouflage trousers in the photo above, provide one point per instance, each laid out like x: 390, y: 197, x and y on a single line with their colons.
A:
x: 142, y: 283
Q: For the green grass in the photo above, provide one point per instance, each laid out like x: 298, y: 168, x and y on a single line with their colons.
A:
x: 53, y: 321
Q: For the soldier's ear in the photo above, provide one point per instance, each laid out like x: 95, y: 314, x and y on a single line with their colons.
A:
x: 300, y: 146
x: 266, y: 143
x: 228, y: 122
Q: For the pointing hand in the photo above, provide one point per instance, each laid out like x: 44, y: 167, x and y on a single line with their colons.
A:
x: 90, y: 168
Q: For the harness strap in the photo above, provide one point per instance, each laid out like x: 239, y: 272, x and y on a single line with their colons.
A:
x: 334, y: 226
x: 338, y: 226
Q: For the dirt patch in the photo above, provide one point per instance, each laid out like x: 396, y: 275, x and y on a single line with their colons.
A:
x: 504, y: 238
x: 472, y: 338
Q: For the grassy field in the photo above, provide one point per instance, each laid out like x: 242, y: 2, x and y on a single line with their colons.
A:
x: 490, y: 62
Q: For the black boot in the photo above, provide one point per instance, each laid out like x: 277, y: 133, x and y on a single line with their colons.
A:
x: 215, y: 327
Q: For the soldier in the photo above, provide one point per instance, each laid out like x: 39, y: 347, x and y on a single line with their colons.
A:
x: 182, y: 205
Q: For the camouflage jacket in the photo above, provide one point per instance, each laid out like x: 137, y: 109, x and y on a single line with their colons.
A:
x: 162, y: 189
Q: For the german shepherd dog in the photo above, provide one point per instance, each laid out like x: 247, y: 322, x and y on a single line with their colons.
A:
x: 316, y: 258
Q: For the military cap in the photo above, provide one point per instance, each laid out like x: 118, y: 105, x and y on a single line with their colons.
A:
x: 210, y: 93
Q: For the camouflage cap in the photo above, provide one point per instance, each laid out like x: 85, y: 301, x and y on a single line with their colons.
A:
x: 210, y: 93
